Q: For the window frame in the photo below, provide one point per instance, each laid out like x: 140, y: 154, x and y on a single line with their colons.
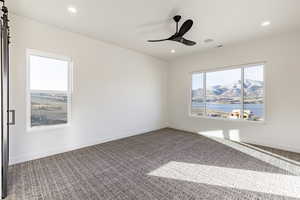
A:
x: 216, y: 69
x: 69, y: 92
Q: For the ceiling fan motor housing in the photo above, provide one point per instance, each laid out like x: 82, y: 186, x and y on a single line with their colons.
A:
x: 177, y: 18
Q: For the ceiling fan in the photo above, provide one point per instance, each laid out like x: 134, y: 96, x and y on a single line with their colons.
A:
x: 178, y: 36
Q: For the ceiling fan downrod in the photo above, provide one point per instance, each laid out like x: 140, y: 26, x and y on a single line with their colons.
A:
x: 177, y: 19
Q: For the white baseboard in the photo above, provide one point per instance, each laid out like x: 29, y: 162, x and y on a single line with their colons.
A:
x: 275, y: 146
x: 34, y: 156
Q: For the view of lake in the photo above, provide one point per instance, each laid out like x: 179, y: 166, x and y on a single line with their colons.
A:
x: 257, y: 109
x: 221, y: 93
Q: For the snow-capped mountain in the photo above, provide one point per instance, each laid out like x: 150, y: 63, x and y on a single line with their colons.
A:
x: 252, y: 89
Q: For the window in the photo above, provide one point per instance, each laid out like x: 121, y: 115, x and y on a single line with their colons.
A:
x: 49, y: 89
x: 221, y: 94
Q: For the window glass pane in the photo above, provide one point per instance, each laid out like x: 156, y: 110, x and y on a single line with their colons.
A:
x: 254, y: 93
x: 223, y: 94
x: 197, y: 95
x: 48, y: 74
x: 48, y: 108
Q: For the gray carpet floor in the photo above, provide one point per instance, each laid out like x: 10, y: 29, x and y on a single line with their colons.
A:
x: 161, y: 165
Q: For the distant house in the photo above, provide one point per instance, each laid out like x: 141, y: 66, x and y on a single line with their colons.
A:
x: 236, y: 114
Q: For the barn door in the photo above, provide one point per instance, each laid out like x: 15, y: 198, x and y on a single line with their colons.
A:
x: 7, y: 116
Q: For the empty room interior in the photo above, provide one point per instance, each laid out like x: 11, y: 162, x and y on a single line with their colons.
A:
x: 150, y: 100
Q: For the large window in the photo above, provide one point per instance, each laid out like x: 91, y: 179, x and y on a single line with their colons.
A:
x: 49, y: 89
x: 236, y: 93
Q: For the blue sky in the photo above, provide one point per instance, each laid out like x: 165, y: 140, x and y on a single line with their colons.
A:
x: 227, y: 77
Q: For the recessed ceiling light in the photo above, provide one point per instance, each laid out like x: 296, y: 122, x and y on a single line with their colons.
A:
x: 265, y: 23
x: 173, y: 51
x: 72, y: 9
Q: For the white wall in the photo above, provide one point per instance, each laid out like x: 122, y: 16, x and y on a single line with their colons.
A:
x: 117, y: 92
x: 282, y: 127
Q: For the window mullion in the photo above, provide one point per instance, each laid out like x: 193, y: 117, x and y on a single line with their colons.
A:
x: 50, y: 91
x: 242, y: 92
x: 204, y: 93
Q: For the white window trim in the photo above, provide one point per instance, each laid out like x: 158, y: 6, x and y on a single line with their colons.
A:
x: 216, y: 69
x: 32, y: 52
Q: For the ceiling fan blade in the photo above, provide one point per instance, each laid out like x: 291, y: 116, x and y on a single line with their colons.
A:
x: 178, y: 36
x: 157, y: 40
x: 184, y: 41
x: 187, y: 42
x: 186, y: 26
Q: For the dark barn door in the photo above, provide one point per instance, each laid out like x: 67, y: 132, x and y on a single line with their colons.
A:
x: 7, y: 116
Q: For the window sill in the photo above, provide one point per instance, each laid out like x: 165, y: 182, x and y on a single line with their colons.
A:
x: 47, y: 128
x: 228, y: 120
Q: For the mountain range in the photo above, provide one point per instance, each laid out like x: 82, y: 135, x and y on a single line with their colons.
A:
x: 253, y: 89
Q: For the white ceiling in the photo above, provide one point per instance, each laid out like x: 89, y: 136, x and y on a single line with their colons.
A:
x: 130, y: 23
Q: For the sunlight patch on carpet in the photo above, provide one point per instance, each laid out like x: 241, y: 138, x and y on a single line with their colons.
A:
x: 232, y: 140
x: 263, y: 182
